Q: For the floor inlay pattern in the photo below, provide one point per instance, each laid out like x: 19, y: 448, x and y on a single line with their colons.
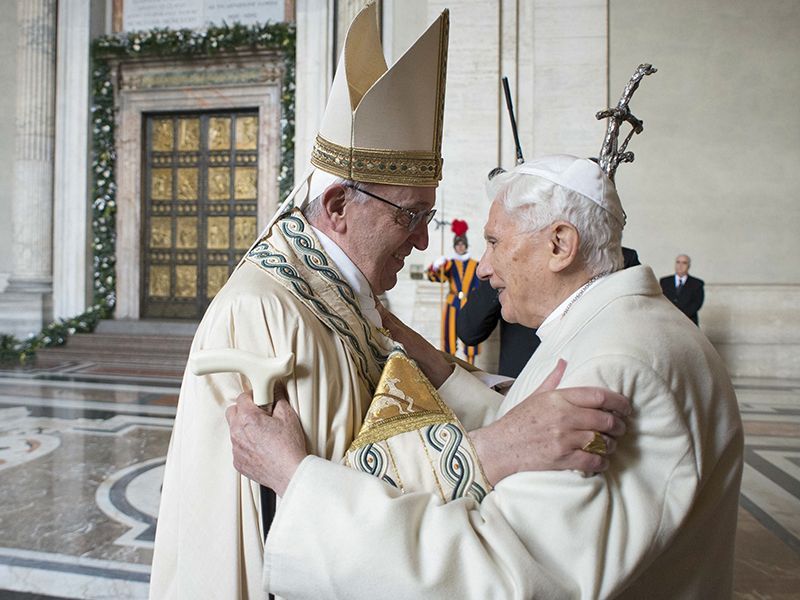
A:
x: 81, y: 463
x: 768, y: 538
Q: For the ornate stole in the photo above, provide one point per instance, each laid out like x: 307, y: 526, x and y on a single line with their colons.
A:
x: 292, y: 254
x: 410, y: 438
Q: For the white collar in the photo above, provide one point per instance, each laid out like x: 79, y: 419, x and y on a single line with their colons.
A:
x: 464, y: 257
x: 354, y: 277
x: 555, y: 317
x: 679, y: 279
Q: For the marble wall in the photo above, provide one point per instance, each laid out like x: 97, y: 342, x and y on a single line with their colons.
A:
x: 554, y: 55
x: 8, y: 75
x: 715, y: 173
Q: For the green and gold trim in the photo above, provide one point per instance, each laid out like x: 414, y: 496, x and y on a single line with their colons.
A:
x: 391, y: 167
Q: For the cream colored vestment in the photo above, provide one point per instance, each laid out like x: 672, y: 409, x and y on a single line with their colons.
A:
x: 209, y: 539
x: 659, y: 523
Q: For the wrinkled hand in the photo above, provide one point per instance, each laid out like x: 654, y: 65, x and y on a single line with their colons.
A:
x: 547, y: 430
x: 267, y: 445
x: 429, y: 359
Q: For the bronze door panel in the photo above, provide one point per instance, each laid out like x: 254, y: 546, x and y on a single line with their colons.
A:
x: 199, y: 193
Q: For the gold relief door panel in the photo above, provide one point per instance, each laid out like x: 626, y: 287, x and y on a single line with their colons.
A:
x: 199, y: 197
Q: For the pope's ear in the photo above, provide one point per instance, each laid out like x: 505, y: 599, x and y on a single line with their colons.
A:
x: 565, y: 242
x: 334, y: 202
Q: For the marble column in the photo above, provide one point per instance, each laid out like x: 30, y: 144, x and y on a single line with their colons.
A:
x: 313, y: 75
x: 71, y: 257
x: 554, y: 54
x: 346, y: 12
x: 27, y: 302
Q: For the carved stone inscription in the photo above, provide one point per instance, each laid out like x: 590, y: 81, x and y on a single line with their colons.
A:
x: 197, y: 14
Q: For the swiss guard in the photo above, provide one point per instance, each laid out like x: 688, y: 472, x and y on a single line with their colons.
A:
x: 459, y: 270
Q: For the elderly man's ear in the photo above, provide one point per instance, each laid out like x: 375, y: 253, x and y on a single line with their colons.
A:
x: 565, y: 242
x: 333, y: 208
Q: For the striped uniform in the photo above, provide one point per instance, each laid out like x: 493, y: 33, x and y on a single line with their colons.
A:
x: 462, y: 278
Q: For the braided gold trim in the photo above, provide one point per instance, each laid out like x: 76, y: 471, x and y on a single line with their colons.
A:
x: 391, y: 167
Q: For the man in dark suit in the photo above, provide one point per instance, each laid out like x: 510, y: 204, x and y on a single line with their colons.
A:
x: 685, y: 291
x: 477, y: 319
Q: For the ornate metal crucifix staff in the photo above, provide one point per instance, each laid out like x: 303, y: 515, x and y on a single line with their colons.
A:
x: 610, y: 154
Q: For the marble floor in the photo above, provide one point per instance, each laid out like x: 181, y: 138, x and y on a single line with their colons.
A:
x: 81, y: 460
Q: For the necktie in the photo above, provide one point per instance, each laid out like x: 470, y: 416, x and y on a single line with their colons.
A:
x: 679, y: 287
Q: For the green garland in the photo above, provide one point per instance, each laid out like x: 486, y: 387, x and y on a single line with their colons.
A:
x: 157, y: 42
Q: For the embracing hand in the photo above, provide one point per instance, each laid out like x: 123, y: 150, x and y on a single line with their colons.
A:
x: 268, y: 445
x: 549, y: 430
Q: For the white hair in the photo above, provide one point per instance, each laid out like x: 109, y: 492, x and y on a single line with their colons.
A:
x: 539, y: 202
x: 313, y: 210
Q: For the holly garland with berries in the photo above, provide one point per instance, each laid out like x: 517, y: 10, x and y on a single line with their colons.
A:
x: 153, y: 43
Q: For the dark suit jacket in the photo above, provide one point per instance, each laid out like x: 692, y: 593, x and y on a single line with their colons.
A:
x: 690, y: 298
x: 631, y: 257
x: 479, y: 316
x: 477, y: 319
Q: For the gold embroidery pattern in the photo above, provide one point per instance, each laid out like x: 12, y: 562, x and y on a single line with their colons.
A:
x: 404, y: 400
x: 425, y: 444
x: 377, y: 166
x: 431, y: 465
x: 398, y: 480
x: 292, y: 254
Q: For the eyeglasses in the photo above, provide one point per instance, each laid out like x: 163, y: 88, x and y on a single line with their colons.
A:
x: 404, y: 217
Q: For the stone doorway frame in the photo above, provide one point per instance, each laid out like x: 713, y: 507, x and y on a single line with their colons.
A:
x: 234, y: 81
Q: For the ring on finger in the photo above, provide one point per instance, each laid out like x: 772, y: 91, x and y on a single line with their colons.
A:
x: 597, y: 445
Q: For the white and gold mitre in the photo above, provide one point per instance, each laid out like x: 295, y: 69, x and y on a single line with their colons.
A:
x: 384, y: 125
x: 381, y: 125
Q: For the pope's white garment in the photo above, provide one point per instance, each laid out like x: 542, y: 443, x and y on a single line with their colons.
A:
x: 659, y: 523
x: 209, y: 540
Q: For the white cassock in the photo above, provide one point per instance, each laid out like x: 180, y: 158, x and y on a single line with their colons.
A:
x: 659, y: 523
x: 289, y: 296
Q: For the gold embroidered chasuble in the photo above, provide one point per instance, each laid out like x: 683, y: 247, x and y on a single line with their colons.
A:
x: 287, y: 296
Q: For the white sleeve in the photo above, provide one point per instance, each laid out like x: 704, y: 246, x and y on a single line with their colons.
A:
x: 365, y: 540
x: 553, y: 534
x: 475, y: 404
